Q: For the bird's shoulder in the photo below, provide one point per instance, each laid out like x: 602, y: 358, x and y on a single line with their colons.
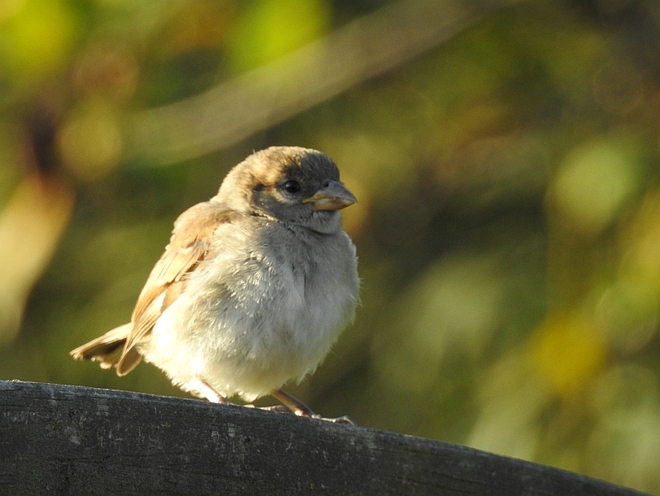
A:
x: 199, y: 222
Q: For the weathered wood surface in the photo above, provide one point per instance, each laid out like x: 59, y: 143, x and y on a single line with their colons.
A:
x: 76, y: 440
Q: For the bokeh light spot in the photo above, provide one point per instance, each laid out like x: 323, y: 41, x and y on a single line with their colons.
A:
x: 37, y: 38
x: 593, y: 183
x: 90, y: 142
x: 270, y: 29
x: 566, y: 351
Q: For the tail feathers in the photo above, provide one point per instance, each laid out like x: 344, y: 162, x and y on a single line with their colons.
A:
x: 128, y: 361
x: 106, y: 349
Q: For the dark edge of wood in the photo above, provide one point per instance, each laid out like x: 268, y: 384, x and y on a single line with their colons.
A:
x: 59, y: 439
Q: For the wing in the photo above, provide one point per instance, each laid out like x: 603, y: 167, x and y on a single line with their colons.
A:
x: 188, y: 245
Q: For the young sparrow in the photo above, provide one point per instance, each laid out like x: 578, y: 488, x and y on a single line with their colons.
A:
x: 254, y: 287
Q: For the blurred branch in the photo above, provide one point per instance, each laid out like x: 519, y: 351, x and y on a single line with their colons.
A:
x: 360, y: 50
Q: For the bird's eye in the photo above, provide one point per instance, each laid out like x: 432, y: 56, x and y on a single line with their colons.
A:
x: 292, y: 186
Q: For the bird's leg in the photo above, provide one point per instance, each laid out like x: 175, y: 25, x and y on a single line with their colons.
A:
x: 293, y: 403
x: 302, y: 410
x: 203, y: 388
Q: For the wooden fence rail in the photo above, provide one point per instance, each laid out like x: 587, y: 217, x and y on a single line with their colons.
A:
x: 76, y: 440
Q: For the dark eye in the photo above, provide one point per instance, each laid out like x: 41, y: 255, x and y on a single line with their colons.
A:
x: 292, y: 186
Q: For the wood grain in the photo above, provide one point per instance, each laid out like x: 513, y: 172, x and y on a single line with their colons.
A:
x: 76, y: 440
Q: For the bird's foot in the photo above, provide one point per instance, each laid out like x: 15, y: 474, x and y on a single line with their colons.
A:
x: 274, y: 408
x: 300, y: 409
x: 344, y: 419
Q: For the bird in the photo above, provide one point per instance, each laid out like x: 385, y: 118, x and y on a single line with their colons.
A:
x: 253, y: 289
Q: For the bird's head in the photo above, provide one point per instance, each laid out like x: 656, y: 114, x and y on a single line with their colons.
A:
x: 290, y: 184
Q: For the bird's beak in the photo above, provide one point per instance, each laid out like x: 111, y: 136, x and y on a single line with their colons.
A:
x: 334, y: 196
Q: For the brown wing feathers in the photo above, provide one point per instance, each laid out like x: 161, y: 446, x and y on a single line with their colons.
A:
x: 188, y: 246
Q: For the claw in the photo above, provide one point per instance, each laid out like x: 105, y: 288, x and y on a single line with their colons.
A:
x: 344, y: 419
x: 302, y: 410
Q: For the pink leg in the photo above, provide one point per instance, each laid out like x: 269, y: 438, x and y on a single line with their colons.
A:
x: 302, y: 410
x: 293, y: 403
x: 204, y: 389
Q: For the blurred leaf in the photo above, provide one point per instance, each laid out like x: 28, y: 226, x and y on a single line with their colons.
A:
x: 594, y: 182
x: 567, y: 351
x: 36, y: 38
x: 30, y: 227
x: 90, y: 141
x: 269, y: 29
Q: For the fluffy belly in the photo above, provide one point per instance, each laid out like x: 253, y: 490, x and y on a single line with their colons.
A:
x: 247, y: 348
x: 249, y: 322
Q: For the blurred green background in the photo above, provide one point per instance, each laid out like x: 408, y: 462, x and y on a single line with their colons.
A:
x: 504, y: 154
